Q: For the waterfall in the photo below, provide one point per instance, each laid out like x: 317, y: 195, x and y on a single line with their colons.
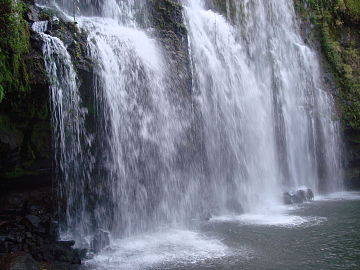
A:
x: 71, y: 141
x: 132, y: 177
x: 139, y: 126
x: 268, y: 122
x: 257, y: 122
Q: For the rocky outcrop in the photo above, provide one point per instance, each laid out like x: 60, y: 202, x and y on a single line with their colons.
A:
x: 28, y: 233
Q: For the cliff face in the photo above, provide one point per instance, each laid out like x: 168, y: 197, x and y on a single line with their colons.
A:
x: 27, y: 215
x: 25, y: 133
x: 333, y: 29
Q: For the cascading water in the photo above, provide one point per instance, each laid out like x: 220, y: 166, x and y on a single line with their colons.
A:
x: 71, y: 143
x: 266, y: 125
x: 139, y: 126
x: 134, y: 178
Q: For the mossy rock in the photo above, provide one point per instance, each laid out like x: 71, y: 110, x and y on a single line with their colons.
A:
x: 14, y: 44
x: 353, y: 10
x: 25, y: 129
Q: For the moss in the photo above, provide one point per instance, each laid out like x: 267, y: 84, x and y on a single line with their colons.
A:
x: 14, y: 44
x: 338, y: 32
x: 353, y: 8
x: 25, y: 131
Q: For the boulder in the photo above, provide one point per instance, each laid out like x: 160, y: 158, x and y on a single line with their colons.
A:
x: 287, y: 198
x: 309, y: 194
x: 299, y: 196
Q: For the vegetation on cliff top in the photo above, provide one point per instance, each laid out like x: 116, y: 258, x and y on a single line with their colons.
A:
x: 14, y: 44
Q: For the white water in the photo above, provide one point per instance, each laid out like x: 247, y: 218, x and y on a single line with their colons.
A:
x: 266, y: 123
x: 158, y: 249
x: 339, y: 196
x: 71, y: 142
x: 139, y: 127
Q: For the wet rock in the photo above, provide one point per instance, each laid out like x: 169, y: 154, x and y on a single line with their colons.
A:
x: 101, y: 239
x: 309, y: 194
x: 300, y: 196
x: 66, y: 243
x: 62, y: 252
x: 30, y: 229
x: 287, y: 198
x: 18, y: 261
x: 33, y: 220
x: 32, y: 14
x: 54, y: 23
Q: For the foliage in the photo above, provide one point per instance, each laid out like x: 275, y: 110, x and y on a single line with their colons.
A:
x: 353, y: 7
x: 337, y: 22
x: 14, y: 44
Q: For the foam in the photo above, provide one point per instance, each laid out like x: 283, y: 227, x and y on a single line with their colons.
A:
x: 161, y: 248
x: 280, y: 220
x: 339, y: 196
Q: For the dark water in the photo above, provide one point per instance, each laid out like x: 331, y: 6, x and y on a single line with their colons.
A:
x: 324, y: 234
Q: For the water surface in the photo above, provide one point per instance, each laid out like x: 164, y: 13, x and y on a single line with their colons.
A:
x: 324, y: 234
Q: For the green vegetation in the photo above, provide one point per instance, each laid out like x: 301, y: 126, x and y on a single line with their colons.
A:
x: 353, y: 7
x: 14, y: 44
x: 338, y: 27
x: 25, y: 134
